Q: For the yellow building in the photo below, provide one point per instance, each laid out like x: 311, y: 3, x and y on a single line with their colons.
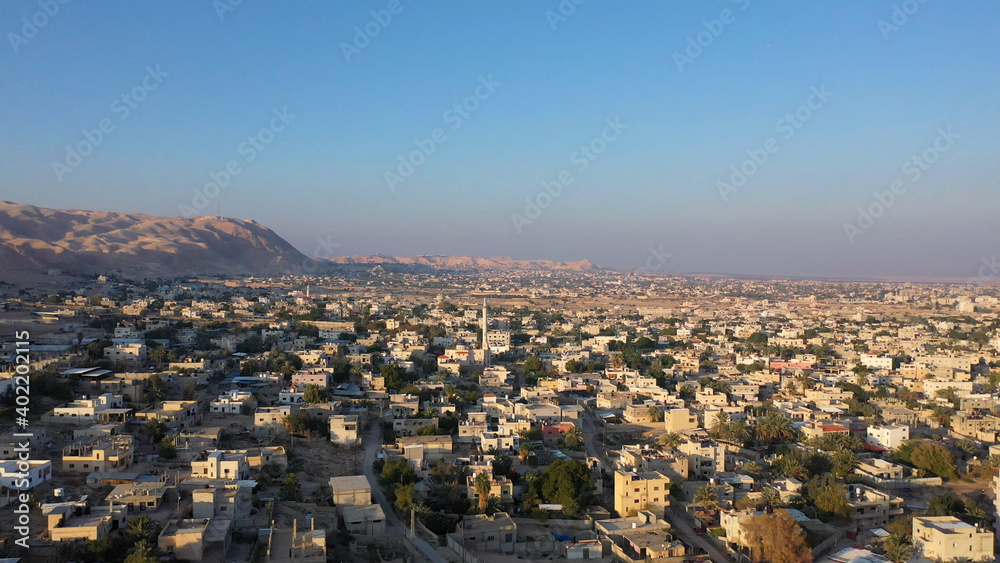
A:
x: 947, y: 538
x: 635, y: 491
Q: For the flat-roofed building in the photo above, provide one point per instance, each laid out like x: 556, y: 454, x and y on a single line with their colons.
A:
x: 635, y: 491
x: 948, y: 538
x: 344, y: 430
x: 351, y: 490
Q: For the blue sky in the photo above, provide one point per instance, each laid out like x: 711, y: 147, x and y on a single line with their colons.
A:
x: 323, y: 175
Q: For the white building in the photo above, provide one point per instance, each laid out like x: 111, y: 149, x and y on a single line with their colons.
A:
x: 11, y: 477
x: 232, y: 402
x: 889, y: 437
x: 89, y: 409
x: 126, y: 353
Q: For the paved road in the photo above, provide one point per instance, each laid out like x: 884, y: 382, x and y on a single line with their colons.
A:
x: 680, y: 527
x: 393, y: 526
x: 590, y: 432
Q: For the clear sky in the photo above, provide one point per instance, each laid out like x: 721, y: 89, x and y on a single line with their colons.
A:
x: 927, y: 76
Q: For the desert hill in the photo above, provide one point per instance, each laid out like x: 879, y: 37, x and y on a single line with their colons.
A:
x: 34, y: 240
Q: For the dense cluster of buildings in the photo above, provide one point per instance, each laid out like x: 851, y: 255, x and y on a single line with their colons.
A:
x: 694, y: 409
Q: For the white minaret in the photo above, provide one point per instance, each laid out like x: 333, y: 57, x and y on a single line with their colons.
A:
x: 486, y: 343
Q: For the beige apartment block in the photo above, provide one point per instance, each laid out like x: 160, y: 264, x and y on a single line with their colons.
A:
x: 947, y: 538
x: 344, y: 429
x: 104, y: 455
x: 677, y: 420
x: 635, y: 491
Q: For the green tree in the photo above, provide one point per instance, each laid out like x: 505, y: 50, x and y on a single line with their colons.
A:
x: 291, y: 489
x: 670, y: 440
x: 315, y: 394
x: 706, y: 497
x: 898, y: 549
x: 829, y: 497
x: 405, y: 498
x: 935, y: 458
x: 564, y: 482
x: 483, y: 486
x: 167, y: 448
x: 573, y: 438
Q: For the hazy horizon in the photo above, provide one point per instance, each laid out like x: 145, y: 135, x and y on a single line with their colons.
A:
x: 826, y: 108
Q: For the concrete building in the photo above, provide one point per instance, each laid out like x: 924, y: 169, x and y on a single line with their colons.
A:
x: 872, y: 508
x: 344, y: 430
x: 947, y: 538
x: 221, y: 464
x: 635, y: 491
x: 888, y: 437
x: 352, y: 490
x: 104, y: 455
x: 272, y: 417
x: 677, y: 420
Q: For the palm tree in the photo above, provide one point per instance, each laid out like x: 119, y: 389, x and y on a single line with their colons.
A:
x: 721, y: 420
x: 967, y: 446
x: 617, y: 362
x: 774, y: 428
x: 706, y: 497
x: 751, y: 468
x: 770, y: 498
x: 524, y: 451
x: 804, y: 381
x: 142, y: 552
x: 976, y: 512
x: 141, y: 528
x: 941, y: 416
x: 483, y: 486
x: 898, y: 548
x: 670, y: 440
x: 573, y: 438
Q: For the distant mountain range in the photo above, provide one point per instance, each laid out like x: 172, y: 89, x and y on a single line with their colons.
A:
x: 35, y: 240
x: 466, y: 262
